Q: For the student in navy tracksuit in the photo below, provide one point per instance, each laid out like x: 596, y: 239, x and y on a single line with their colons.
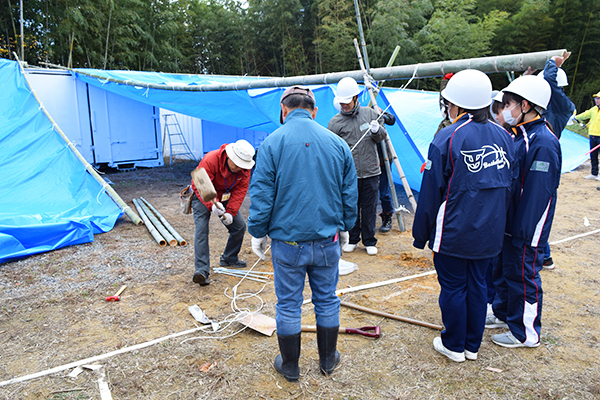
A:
x: 518, y: 302
x: 461, y: 210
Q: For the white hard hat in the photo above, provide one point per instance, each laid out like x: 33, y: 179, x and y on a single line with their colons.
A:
x: 347, y: 88
x: 532, y: 88
x: 561, y: 77
x: 469, y: 89
x: 241, y: 153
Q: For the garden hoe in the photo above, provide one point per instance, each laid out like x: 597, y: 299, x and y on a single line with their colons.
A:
x: 267, y: 325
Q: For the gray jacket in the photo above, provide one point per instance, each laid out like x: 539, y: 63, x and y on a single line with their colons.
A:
x: 351, y: 127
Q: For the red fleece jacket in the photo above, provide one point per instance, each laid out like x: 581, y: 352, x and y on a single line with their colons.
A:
x: 215, y: 164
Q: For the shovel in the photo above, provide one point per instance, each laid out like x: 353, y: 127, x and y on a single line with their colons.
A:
x: 267, y: 325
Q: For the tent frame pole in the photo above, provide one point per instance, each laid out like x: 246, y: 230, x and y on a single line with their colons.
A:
x: 89, y: 168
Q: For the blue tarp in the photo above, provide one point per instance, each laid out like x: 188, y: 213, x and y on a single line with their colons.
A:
x: 417, y: 112
x: 47, y: 198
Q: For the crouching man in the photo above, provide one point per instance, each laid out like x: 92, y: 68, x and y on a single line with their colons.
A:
x: 304, y: 197
x: 229, y: 171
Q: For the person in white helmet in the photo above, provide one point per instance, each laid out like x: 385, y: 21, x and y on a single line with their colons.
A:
x: 558, y: 113
x: 361, y: 128
x: 518, y: 301
x: 229, y: 170
x: 462, y: 207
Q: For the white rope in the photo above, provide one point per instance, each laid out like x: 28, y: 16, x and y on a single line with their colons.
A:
x: 367, y: 130
x: 574, y: 237
x: 238, y: 314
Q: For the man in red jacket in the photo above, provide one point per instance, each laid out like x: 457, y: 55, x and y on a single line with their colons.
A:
x: 229, y: 170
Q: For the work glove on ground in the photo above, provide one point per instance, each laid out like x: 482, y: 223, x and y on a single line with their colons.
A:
x: 374, y: 125
x: 227, y: 219
x: 259, y: 246
x: 218, y: 209
x: 344, y: 238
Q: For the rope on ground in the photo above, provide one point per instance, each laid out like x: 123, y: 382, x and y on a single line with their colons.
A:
x: 238, y: 313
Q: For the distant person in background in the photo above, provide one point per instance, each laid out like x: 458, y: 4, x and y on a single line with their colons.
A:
x: 443, y: 108
x: 385, y: 195
x: 593, y: 125
x: 361, y: 130
x: 229, y: 171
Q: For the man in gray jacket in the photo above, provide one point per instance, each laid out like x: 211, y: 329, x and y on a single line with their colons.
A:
x: 360, y: 128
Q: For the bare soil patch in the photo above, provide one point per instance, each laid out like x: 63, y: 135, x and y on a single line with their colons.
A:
x: 53, y: 312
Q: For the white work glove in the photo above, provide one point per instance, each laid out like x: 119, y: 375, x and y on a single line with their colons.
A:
x: 259, y: 246
x: 344, y: 238
x: 218, y: 209
x: 227, y: 219
x: 374, y: 125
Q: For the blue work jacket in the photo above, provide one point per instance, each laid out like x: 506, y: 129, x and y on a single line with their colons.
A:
x: 465, y: 190
x: 533, y: 198
x: 304, y: 186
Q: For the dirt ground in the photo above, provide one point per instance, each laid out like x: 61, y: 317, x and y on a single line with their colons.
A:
x: 53, y: 312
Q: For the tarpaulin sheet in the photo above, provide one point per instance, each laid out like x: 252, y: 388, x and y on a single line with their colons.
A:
x: 417, y: 112
x: 47, y: 198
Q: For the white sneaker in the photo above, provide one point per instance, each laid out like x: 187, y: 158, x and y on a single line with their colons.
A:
x: 453, y: 355
x: 492, y: 321
x: 349, y: 248
x: 371, y: 250
x: 598, y: 178
x: 470, y: 356
x: 507, y: 339
x: 590, y: 176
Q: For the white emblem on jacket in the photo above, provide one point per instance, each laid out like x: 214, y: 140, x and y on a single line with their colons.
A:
x: 487, y: 156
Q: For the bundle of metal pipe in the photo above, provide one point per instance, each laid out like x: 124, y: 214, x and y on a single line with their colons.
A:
x: 159, y: 227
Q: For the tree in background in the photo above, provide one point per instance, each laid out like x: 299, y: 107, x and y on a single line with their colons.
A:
x: 336, y: 29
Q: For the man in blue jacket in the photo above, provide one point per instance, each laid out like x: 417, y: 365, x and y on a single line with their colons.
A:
x: 518, y: 301
x: 304, y: 196
x: 462, y: 209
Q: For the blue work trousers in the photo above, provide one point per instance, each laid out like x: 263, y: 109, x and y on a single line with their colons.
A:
x: 462, y: 301
x: 519, y: 292
x: 291, y: 262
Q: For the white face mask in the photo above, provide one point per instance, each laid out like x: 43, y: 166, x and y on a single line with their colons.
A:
x: 508, y: 118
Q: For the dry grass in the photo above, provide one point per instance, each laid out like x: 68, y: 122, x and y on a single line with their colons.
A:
x: 52, y: 312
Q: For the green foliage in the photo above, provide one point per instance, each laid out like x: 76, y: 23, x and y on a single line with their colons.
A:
x: 300, y: 37
x: 455, y: 32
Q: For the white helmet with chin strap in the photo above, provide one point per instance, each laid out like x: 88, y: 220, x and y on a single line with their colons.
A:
x: 532, y: 88
x: 347, y: 88
x: 469, y: 89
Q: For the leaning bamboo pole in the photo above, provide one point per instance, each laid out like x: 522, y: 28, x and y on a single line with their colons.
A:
x: 512, y: 62
x: 159, y: 239
x: 163, y: 231
x: 167, y: 225
x: 109, y: 190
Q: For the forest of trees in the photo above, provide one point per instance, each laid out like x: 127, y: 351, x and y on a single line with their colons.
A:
x: 300, y: 37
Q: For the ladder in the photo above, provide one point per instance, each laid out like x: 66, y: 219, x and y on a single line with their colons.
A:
x: 178, y: 147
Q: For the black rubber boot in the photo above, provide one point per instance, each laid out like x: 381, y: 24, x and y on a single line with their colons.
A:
x: 286, y: 363
x: 386, y: 222
x: 329, y: 357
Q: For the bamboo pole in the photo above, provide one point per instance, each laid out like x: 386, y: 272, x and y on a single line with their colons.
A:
x: 172, y: 230
x: 369, y: 86
x: 109, y: 190
x: 159, y: 239
x: 163, y: 231
x: 512, y: 62
x: 391, y: 316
